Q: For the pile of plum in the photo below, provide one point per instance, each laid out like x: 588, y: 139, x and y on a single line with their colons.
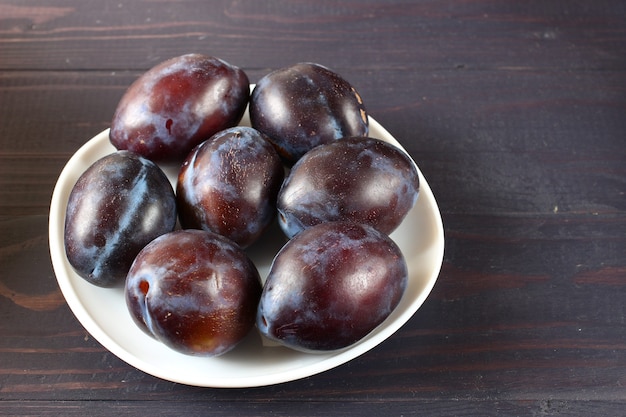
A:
x: 306, y: 162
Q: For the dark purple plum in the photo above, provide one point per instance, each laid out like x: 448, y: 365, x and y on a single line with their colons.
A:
x: 305, y: 105
x: 364, y: 180
x: 178, y: 104
x: 330, y: 286
x: 117, y: 206
x: 228, y: 185
x: 195, y: 291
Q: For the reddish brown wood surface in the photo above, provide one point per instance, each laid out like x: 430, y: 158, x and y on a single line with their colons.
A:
x: 515, y: 113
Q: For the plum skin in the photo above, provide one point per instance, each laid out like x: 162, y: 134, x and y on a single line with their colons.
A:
x: 330, y: 286
x: 117, y: 206
x: 177, y: 104
x: 229, y: 184
x: 195, y: 291
x: 365, y: 180
x: 305, y: 105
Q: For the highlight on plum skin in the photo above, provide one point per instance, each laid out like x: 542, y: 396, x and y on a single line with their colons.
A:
x: 330, y: 286
x: 195, y: 291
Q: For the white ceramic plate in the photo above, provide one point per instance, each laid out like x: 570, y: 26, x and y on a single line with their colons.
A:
x: 254, y: 362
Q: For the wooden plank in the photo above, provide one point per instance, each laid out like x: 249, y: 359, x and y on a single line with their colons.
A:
x: 456, y: 407
x: 251, y: 34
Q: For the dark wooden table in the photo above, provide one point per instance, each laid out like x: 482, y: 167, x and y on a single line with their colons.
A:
x: 516, y: 115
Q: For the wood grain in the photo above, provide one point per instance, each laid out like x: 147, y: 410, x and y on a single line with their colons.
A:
x: 347, y: 35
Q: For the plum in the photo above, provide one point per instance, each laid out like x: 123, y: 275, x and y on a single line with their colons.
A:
x: 117, y: 206
x: 305, y: 105
x: 359, y: 179
x: 228, y: 185
x: 177, y: 104
x: 195, y: 291
x: 330, y: 286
